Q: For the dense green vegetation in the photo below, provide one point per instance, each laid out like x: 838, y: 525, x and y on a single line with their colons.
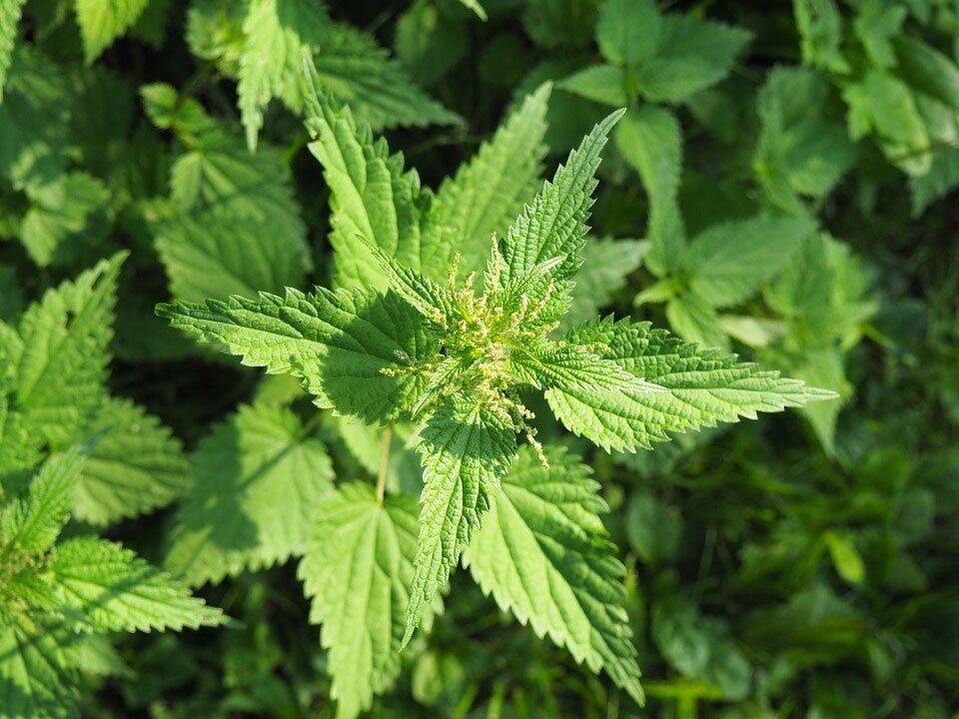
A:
x: 479, y: 359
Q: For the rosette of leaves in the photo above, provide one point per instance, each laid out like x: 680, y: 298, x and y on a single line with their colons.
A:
x: 407, y: 335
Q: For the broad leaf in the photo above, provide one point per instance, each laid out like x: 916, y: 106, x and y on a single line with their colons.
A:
x: 465, y: 449
x: 110, y: 588
x: 103, y: 21
x: 61, y: 366
x: 628, y: 31
x: 487, y: 192
x: 544, y: 555
x: 357, y: 569
x: 10, y: 11
x: 729, y: 262
x: 135, y: 466
x: 349, y: 348
x: 694, y: 387
x: 257, y: 480
x: 35, y: 679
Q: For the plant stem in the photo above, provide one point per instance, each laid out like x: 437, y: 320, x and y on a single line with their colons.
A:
x: 384, y: 461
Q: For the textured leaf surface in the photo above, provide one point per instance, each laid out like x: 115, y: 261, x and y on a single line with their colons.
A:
x: 699, y: 387
x: 61, y: 365
x: 465, y: 450
x: 32, y: 522
x: 257, y: 479
x: 373, y: 201
x: 136, y: 465
x: 593, y: 397
x: 277, y: 32
x: 544, y: 555
x: 358, y: 569
x: 103, y: 21
x: 488, y: 191
x: 35, y: 682
x: 338, y: 343
x: 553, y: 224
x: 111, y: 588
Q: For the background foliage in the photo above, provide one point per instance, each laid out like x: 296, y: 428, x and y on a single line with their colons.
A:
x: 782, y: 185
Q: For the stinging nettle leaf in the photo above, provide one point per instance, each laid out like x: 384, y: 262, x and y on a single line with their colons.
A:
x: 357, y: 569
x: 465, y: 449
x: 348, y: 347
x: 10, y: 11
x: 544, y: 555
x: 257, y: 480
x: 103, y: 21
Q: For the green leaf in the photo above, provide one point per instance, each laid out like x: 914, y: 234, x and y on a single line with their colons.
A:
x: 68, y: 220
x: 692, y: 55
x: 803, y: 149
x: 876, y: 24
x: 553, y: 224
x: 628, y: 31
x: 106, y: 587
x: 591, y: 396
x: 696, y: 320
x: 277, y: 32
x: 606, y: 264
x: 257, y: 480
x: 942, y: 178
x: 488, y: 191
x: 10, y: 11
x: 820, y: 32
x: 927, y: 70
x: 372, y: 200
x: 36, y: 681
x: 62, y: 363
x: 31, y: 523
x: 651, y: 142
x: 605, y: 84
x: 729, y: 262
x: 691, y: 387
x: 845, y: 557
x: 466, y: 449
x: 103, y: 21
x: 33, y: 119
x: 357, y: 569
x: 357, y: 72
x: 883, y: 105
x: 136, y: 465
x: 349, y: 348
x: 476, y: 7
x: 233, y: 225
x: 544, y: 555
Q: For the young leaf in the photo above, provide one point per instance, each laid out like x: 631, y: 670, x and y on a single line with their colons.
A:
x: 357, y: 568
x: 487, y: 192
x: 31, y: 523
x: 103, y: 21
x: 820, y: 32
x: 349, y: 348
x: 372, y: 199
x: 61, y: 366
x: 107, y: 587
x: 553, y: 224
x: 10, y: 11
x: 257, y: 480
x: 465, y: 449
x: 697, y: 387
x: 544, y: 555
x: 136, y: 465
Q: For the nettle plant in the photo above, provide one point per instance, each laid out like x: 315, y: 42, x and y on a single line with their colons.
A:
x: 439, y: 324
